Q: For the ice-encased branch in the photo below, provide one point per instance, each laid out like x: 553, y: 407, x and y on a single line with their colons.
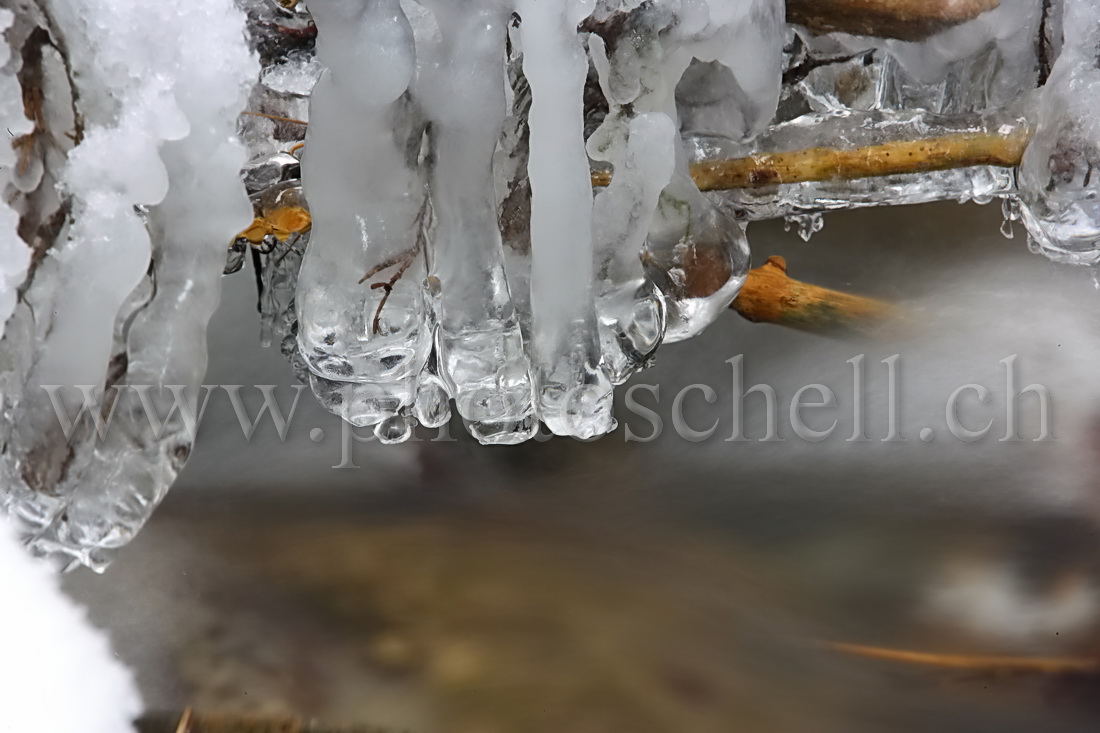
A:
x: 1003, y: 147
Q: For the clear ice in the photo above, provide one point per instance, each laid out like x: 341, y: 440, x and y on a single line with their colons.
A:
x: 1059, y: 192
x: 501, y: 208
x: 126, y: 185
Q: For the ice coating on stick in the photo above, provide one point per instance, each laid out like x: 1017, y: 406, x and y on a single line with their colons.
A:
x: 460, y: 87
x: 360, y: 306
x: 858, y: 137
x: 1059, y: 184
x: 574, y: 392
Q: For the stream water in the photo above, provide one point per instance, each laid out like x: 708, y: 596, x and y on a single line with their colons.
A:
x: 668, y: 585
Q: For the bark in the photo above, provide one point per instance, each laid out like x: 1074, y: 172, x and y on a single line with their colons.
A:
x: 909, y: 20
x: 770, y: 296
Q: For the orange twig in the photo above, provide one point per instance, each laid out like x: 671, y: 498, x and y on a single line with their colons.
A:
x: 769, y: 295
x: 997, y: 664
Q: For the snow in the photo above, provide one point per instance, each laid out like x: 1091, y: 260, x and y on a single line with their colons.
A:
x: 57, y: 672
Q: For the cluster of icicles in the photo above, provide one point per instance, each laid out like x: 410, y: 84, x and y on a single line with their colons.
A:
x: 458, y: 250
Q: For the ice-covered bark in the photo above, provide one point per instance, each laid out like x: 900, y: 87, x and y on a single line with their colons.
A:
x: 821, y: 162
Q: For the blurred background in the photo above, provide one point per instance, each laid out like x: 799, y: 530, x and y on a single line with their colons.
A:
x: 666, y: 585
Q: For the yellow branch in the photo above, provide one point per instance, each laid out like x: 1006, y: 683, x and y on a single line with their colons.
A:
x: 824, y: 164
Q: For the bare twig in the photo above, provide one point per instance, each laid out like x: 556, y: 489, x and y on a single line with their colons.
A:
x: 770, y: 296
x: 402, y: 261
x: 988, y: 664
x: 275, y: 117
x: 909, y: 20
x: 191, y: 721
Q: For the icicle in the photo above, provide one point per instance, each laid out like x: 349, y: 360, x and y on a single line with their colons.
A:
x: 152, y: 181
x: 630, y: 308
x: 480, y: 346
x: 640, y: 148
x: 574, y: 392
x: 360, y: 307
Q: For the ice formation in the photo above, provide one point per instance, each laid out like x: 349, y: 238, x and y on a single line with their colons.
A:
x: 524, y: 244
x: 88, y: 690
x: 502, y: 205
x: 507, y: 197
x: 125, y: 188
x: 1059, y: 198
x: 419, y: 285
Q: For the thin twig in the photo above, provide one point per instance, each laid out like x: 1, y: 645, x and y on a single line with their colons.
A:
x: 185, y: 721
x: 992, y: 664
x: 275, y: 117
x: 192, y: 721
x: 402, y: 260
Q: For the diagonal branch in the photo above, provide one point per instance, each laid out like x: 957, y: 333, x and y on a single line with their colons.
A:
x: 989, y: 664
x: 770, y: 296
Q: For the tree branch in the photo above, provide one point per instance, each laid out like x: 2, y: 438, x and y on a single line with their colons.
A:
x: 909, y: 20
x: 1002, y: 149
x: 770, y: 296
